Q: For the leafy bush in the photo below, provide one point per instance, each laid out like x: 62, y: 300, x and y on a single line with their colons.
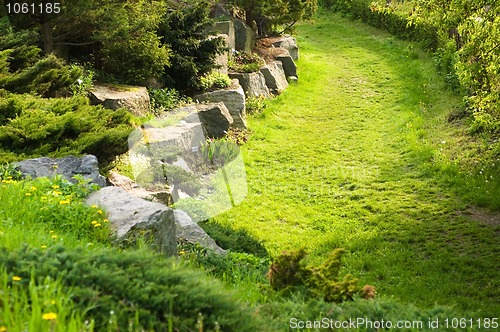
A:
x: 31, y: 126
x: 288, y: 271
x: 134, y: 290
x: 166, y: 99
x: 184, y: 29
x: 245, y: 62
x: 23, y: 69
x: 214, y: 81
x: 256, y: 105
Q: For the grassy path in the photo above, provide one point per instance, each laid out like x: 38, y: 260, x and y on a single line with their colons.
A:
x: 336, y: 162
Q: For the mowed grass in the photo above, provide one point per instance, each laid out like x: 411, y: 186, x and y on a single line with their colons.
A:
x: 345, y: 159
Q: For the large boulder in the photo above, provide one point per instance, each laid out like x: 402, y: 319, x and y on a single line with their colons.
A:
x: 254, y: 84
x: 189, y: 231
x: 133, y: 98
x: 234, y: 99
x: 67, y: 167
x: 282, y: 55
x: 182, y: 136
x: 214, y: 117
x: 226, y: 28
x: 132, y: 217
x: 290, y: 44
x: 244, y: 37
x: 275, y: 76
x: 222, y: 60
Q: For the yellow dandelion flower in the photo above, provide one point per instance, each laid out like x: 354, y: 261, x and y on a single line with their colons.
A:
x: 44, y: 198
x: 9, y: 178
x: 3, y: 329
x: 16, y: 278
x: 105, y: 220
x: 64, y: 202
x: 4, y: 186
x: 49, y: 316
x: 28, y: 194
x: 97, y: 225
x: 99, y: 211
x: 50, y: 232
x: 54, y: 237
x: 94, y: 222
x: 33, y: 188
x: 94, y: 206
x: 57, y: 193
x: 43, y: 246
x: 55, y: 186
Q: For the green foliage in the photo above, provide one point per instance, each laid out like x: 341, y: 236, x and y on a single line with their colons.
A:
x: 193, y: 54
x: 166, y: 99
x: 24, y: 70
x: 54, y: 208
x: 34, y: 126
x: 83, y: 84
x: 245, y: 62
x: 214, y: 81
x: 271, y: 14
x: 288, y: 270
x: 256, y: 105
x: 136, y: 290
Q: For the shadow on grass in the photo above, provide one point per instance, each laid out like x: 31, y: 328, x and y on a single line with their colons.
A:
x: 235, y: 240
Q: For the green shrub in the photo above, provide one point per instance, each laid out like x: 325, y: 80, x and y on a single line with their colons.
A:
x: 166, y: 100
x: 184, y: 29
x: 136, y: 290
x: 242, y: 62
x: 256, y: 105
x: 288, y: 271
x: 214, y: 81
x: 32, y: 126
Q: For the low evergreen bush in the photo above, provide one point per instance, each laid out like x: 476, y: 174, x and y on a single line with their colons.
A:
x: 134, y: 290
x: 32, y: 127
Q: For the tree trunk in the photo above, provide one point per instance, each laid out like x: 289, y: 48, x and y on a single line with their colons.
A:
x: 48, y: 38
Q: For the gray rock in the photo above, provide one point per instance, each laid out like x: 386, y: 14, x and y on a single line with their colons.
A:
x: 226, y: 28
x: 67, y: 167
x: 222, y: 60
x: 244, y: 37
x: 127, y: 184
x: 275, y: 77
x: 234, y: 99
x: 182, y: 137
x: 214, y: 117
x: 188, y: 230
x: 290, y: 44
x: 254, y: 84
x: 288, y: 64
x: 133, y: 98
x: 131, y: 217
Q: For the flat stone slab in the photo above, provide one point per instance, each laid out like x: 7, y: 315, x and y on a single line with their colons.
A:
x: 134, y: 98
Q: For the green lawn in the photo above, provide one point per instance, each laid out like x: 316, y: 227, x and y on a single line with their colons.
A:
x: 350, y: 156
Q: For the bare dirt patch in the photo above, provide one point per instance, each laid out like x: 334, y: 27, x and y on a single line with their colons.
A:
x: 484, y: 216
